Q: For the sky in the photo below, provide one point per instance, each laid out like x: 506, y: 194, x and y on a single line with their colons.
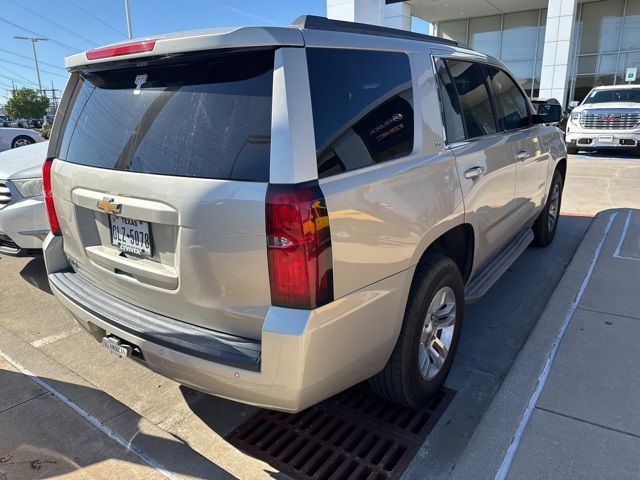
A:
x: 76, y: 25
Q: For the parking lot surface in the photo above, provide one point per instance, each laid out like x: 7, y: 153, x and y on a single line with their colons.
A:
x: 91, y: 415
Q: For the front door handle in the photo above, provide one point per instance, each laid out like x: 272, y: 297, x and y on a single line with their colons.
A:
x: 522, y: 155
x: 474, y: 172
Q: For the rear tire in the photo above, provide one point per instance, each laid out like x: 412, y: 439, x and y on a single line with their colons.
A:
x: 428, y: 339
x: 546, y: 225
x: 22, y: 141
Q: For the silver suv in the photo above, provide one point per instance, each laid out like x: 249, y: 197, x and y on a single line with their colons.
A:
x: 272, y: 215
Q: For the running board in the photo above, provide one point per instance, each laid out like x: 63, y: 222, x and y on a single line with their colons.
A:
x: 499, y: 264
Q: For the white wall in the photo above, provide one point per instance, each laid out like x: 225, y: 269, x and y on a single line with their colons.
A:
x: 558, y: 46
x: 375, y: 12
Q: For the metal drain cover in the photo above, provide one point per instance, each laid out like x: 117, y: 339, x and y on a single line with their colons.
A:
x: 354, y: 435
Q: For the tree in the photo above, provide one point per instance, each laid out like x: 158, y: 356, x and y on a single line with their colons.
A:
x: 26, y: 103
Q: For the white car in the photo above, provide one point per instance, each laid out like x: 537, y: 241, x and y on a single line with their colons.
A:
x: 23, y: 220
x: 17, y: 137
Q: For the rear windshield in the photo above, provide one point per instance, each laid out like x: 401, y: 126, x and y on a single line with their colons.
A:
x: 208, y: 118
x: 607, y: 96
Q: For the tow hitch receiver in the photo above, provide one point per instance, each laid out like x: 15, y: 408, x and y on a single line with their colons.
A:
x: 116, y: 347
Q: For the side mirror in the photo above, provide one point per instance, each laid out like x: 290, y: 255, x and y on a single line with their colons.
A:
x: 548, y: 113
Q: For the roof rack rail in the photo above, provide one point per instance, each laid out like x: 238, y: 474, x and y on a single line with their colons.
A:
x: 313, y: 22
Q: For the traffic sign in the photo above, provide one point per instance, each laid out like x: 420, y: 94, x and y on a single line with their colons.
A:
x: 630, y: 75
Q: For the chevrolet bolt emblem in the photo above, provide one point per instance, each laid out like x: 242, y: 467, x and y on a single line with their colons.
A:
x: 107, y: 205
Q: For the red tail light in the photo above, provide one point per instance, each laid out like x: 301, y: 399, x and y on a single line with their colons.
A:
x: 122, y: 49
x: 48, y: 197
x: 299, y: 246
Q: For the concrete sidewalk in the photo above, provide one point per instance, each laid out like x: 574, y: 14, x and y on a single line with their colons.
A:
x: 569, y: 406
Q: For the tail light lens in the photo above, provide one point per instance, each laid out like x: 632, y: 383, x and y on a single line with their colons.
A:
x: 48, y: 197
x: 299, y: 246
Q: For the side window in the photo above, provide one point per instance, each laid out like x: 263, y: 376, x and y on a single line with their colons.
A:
x: 512, y: 104
x: 474, y: 98
x: 362, y: 104
x: 450, y: 106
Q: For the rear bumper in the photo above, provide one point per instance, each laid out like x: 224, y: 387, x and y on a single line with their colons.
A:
x: 23, y: 226
x: 302, y: 357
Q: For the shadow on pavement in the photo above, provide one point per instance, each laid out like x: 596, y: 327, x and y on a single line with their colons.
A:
x: 41, y: 437
x: 219, y: 414
x: 35, y: 273
x: 612, y: 154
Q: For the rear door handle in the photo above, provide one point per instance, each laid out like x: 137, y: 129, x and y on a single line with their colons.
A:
x: 522, y: 155
x: 474, y: 172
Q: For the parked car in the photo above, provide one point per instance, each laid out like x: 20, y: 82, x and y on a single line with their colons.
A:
x: 293, y: 210
x: 23, y: 220
x: 608, y: 118
x: 17, y: 137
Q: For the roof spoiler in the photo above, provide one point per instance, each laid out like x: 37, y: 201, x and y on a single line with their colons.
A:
x: 313, y: 22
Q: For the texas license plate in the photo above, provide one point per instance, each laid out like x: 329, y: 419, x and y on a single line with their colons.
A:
x: 129, y: 235
x: 116, y: 347
x: 605, y: 139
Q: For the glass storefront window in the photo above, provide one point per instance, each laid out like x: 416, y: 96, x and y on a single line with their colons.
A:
x: 631, y: 27
x: 587, y: 64
x: 627, y: 60
x: 456, y: 30
x: 541, y: 33
x: 601, y: 26
x: 484, y: 34
x: 520, y: 35
x: 608, y: 63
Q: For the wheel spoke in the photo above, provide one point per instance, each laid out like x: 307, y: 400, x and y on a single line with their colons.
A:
x: 447, y: 315
x: 437, y: 353
x: 423, y: 359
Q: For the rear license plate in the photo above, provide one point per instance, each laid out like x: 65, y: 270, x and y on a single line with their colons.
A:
x: 129, y: 235
x: 605, y: 139
x: 116, y: 347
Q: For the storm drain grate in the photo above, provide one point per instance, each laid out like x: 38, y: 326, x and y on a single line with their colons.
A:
x: 353, y: 436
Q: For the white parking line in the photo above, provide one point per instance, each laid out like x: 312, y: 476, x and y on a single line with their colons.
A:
x: 623, y: 237
x: 542, y: 380
x: 91, y: 419
x: 54, y: 338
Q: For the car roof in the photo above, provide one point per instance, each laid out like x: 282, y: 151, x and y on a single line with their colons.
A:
x: 615, y: 87
x: 234, y: 37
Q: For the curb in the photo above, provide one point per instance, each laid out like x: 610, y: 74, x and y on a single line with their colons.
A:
x: 492, y: 440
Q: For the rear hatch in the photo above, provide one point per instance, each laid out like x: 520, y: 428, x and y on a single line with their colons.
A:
x: 160, y: 178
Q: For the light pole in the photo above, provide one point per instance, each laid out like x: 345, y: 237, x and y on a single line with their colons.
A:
x: 126, y: 11
x: 34, y: 40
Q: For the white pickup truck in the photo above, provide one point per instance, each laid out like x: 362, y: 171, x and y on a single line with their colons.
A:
x: 608, y: 118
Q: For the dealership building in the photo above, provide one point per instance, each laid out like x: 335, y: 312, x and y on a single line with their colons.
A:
x: 556, y: 48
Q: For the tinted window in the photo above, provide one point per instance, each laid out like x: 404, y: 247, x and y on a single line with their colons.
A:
x: 450, y: 106
x: 511, y: 102
x: 202, y: 118
x: 474, y: 98
x: 362, y: 107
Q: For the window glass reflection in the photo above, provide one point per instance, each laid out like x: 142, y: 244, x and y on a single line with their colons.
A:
x: 362, y: 104
x: 474, y: 98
